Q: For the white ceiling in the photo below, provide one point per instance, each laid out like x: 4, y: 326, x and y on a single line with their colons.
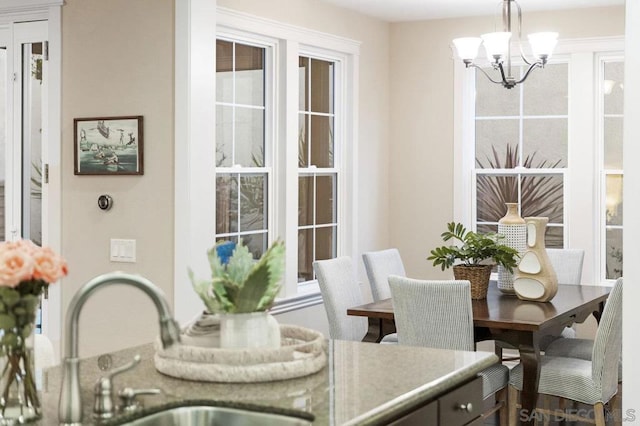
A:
x: 413, y: 10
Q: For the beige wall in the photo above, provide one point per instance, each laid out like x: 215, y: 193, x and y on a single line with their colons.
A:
x: 421, y: 171
x: 118, y: 60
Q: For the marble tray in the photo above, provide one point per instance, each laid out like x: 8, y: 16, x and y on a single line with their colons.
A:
x: 302, y: 352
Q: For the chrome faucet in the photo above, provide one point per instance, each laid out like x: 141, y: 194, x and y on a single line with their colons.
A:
x: 70, y: 407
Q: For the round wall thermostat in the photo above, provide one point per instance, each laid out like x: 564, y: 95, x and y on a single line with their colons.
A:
x: 105, y: 202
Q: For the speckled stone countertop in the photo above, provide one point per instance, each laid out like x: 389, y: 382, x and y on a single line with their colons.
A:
x: 362, y: 384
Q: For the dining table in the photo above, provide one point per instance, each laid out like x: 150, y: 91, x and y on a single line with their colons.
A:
x: 505, y: 318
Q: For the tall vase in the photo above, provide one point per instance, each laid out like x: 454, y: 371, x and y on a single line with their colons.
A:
x: 514, y: 228
x: 535, y: 278
x: 19, y: 401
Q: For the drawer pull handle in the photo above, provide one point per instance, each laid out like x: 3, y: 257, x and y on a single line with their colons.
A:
x: 468, y: 407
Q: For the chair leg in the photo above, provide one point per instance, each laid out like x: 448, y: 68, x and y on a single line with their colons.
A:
x: 503, y: 399
x: 546, y: 406
x: 616, y: 406
x: 512, y: 400
x: 599, y: 414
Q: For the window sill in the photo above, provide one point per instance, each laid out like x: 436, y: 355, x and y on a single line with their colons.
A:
x: 308, y: 295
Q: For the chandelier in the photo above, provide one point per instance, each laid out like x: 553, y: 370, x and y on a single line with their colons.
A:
x: 498, y: 48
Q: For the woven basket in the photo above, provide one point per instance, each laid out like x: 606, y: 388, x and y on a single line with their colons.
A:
x: 477, y: 275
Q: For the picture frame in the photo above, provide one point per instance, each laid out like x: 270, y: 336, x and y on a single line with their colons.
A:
x: 108, y: 145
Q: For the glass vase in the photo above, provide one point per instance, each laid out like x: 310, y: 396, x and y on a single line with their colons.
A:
x: 19, y: 399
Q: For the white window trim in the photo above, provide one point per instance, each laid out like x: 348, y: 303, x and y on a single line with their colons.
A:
x: 583, y: 195
x: 195, y: 137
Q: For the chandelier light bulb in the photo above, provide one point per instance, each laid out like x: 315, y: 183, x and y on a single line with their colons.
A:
x: 467, y: 47
x: 496, y: 45
x: 542, y: 44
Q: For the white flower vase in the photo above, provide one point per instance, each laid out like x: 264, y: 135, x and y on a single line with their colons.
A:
x: 514, y: 228
x: 249, y: 330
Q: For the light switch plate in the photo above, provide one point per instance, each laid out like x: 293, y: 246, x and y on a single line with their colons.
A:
x: 123, y: 250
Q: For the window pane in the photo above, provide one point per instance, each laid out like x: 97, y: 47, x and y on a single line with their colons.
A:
x: 249, y: 75
x: 542, y: 195
x: 256, y: 243
x: 545, y: 142
x: 226, y: 204
x: 305, y: 255
x: 554, y: 237
x: 546, y: 91
x: 614, y: 200
x: 613, y: 142
x: 3, y: 120
x: 325, y: 243
x: 484, y: 228
x: 497, y: 143
x: 325, y: 199
x: 321, y: 86
x: 493, y: 193
x: 303, y: 140
x: 613, y: 84
x: 253, y: 213
x: 224, y: 136
x: 224, y: 71
x: 614, y: 253
x: 305, y: 200
x: 249, y: 136
x: 493, y: 99
x: 321, y: 141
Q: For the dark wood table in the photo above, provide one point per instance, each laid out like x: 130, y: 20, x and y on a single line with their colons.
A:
x: 505, y: 318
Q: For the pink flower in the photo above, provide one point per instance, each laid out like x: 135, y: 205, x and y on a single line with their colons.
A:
x: 24, y: 261
x: 15, y: 265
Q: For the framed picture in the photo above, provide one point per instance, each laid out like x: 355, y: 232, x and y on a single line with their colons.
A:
x: 108, y: 145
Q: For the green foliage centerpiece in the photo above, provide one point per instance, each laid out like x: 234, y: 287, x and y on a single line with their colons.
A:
x: 473, y: 257
x: 241, y: 285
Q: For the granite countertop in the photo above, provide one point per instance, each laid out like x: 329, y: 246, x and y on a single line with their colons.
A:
x: 363, y: 383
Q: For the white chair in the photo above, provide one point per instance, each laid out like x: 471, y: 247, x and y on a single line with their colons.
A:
x: 438, y: 314
x: 379, y: 265
x: 44, y: 353
x: 340, y: 291
x: 594, y: 381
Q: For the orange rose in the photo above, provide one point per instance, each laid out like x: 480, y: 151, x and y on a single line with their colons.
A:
x: 15, y: 265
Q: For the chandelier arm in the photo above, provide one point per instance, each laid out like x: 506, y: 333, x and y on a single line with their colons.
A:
x: 487, y: 75
x: 531, y: 67
x: 522, y: 55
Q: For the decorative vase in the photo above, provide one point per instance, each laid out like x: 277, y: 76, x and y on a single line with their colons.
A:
x: 514, y: 228
x: 19, y: 401
x: 249, y: 330
x: 477, y: 275
x: 535, y: 278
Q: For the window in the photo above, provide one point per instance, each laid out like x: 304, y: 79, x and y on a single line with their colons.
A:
x: 612, y: 72
x: 552, y: 144
x: 521, y: 149
x: 278, y: 160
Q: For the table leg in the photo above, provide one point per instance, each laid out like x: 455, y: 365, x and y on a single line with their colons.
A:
x: 378, y: 328
x: 530, y: 360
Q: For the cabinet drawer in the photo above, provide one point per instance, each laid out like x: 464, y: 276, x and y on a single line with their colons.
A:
x: 427, y: 415
x: 461, y: 405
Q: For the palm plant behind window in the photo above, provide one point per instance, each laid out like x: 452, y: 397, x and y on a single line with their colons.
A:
x: 541, y: 195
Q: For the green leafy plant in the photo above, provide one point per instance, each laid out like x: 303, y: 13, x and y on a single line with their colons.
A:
x: 474, y: 249
x: 238, y: 283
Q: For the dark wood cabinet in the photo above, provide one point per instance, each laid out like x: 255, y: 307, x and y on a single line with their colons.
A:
x: 458, y: 407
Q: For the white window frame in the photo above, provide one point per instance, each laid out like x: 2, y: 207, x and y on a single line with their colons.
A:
x: 195, y: 147
x: 582, y: 185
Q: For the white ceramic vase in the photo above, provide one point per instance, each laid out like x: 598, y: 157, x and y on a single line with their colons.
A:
x: 249, y: 330
x: 514, y: 228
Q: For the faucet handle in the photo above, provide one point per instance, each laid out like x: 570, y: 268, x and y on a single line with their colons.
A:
x: 128, y: 398
x: 103, y: 407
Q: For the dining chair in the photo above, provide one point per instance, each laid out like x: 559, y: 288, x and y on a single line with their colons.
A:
x: 340, y: 291
x: 591, y: 381
x: 438, y: 314
x: 379, y: 265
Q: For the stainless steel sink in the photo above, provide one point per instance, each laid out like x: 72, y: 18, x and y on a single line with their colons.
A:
x: 202, y: 415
